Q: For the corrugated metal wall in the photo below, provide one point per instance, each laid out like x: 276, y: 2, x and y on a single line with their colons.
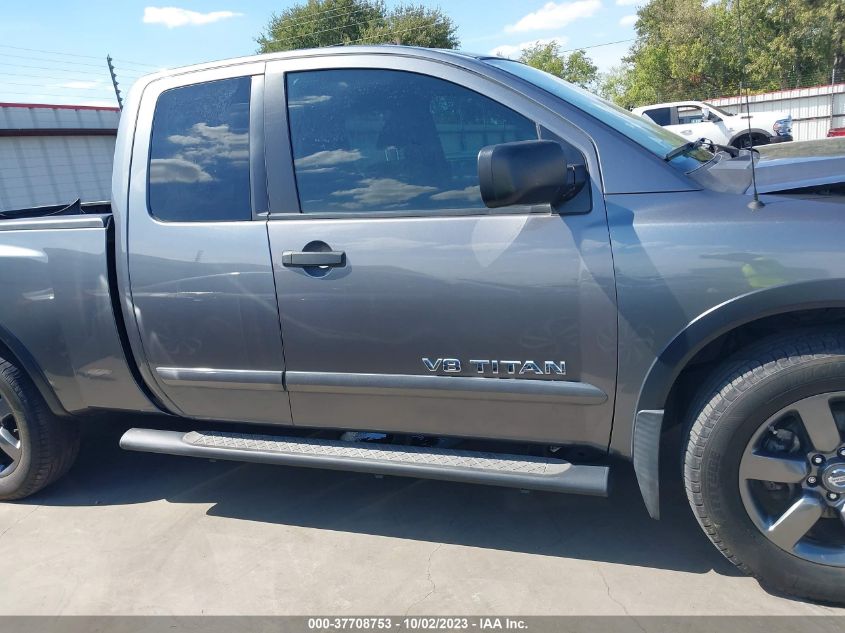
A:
x: 810, y: 108
x: 43, y: 170
x: 55, y: 154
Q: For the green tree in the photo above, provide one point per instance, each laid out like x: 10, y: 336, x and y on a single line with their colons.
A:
x: 576, y: 67
x: 329, y: 22
x: 692, y: 49
x: 615, y: 85
x: 414, y: 25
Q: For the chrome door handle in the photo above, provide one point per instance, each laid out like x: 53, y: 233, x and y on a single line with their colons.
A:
x: 301, y: 259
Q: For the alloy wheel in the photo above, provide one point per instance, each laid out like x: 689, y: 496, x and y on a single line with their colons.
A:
x: 792, y: 478
x: 10, y: 441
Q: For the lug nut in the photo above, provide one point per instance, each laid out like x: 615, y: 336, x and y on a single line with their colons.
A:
x: 812, y: 481
x: 832, y: 496
x: 818, y: 460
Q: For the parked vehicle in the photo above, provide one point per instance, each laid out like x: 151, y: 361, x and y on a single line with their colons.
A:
x: 836, y: 131
x: 494, y: 276
x: 696, y: 119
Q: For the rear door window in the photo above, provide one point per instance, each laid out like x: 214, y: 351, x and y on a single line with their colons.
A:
x: 199, y: 153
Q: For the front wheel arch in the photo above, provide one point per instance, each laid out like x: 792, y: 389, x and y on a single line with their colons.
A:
x: 760, y: 137
x: 810, y: 303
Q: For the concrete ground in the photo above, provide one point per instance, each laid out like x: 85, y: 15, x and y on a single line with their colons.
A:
x: 131, y: 533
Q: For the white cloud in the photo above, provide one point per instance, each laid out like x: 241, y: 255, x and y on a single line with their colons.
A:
x: 629, y: 3
x: 387, y: 192
x: 328, y: 158
x: 514, y: 50
x: 171, y: 17
x: 554, y: 15
x: 628, y: 20
x: 167, y: 170
x: 471, y: 193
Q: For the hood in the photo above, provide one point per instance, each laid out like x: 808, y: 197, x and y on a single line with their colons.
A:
x: 763, y: 118
x: 801, y: 164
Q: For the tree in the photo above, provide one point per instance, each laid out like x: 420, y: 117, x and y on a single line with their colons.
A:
x: 615, y: 85
x: 328, y: 22
x: 414, y: 25
x: 576, y: 67
x: 691, y: 49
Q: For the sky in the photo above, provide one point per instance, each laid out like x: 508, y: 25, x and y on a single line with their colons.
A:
x: 54, y: 51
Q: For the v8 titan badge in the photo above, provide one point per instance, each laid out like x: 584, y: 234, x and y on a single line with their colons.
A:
x: 498, y: 367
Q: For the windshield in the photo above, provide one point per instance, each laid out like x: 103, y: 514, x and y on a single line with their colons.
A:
x: 641, y: 130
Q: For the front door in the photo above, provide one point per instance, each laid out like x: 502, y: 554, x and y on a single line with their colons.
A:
x: 405, y: 304
x: 199, y: 263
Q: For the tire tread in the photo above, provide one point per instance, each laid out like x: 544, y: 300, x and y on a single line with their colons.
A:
x: 56, y: 442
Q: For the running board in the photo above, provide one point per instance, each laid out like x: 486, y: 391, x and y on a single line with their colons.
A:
x: 495, y: 469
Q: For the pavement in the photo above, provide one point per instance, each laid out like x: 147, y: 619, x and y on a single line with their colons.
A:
x: 132, y: 533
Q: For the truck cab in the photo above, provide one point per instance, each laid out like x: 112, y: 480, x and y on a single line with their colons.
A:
x: 433, y: 264
x: 697, y: 119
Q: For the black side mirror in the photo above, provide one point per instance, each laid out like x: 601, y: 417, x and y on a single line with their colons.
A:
x: 527, y: 172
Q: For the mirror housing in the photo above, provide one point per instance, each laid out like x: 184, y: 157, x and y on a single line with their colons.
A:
x: 527, y: 172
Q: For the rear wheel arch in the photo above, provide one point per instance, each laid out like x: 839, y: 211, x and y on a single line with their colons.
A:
x: 13, y: 351
x: 685, y: 360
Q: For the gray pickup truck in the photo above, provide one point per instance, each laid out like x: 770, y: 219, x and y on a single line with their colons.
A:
x: 432, y: 264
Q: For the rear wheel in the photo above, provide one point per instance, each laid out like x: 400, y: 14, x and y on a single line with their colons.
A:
x: 36, y: 447
x: 765, y: 463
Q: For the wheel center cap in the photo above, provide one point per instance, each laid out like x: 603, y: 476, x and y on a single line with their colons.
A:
x: 833, y: 478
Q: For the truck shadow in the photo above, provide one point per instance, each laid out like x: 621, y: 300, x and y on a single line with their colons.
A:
x: 616, y: 530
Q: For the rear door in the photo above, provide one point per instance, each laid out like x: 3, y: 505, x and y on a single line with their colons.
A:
x: 201, y: 282
x: 405, y: 304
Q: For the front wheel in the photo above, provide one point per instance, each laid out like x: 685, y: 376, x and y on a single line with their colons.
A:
x: 765, y: 463
x: 36, y: 447
x: 746, y: 141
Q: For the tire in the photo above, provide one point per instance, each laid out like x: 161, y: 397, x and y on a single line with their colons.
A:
x: 741, y: 141
x: 738, y: 405
x: 48, y: 445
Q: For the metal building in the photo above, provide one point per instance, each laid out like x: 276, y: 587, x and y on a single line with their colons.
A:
x: 814, y: 110
x: 53, y: 154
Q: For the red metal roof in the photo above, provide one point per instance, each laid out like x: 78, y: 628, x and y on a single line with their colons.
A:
x: 62, y: 106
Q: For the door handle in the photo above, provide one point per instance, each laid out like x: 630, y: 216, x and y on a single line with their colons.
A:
x: 302, y: 259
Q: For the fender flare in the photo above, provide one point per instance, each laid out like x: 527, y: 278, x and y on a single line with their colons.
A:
x: 704, y: 329
x: 20, y: 356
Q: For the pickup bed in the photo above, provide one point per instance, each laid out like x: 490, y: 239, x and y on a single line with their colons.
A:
x: 432, y: 264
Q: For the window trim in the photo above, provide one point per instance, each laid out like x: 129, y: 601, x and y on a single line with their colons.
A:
x: 254, y: 180
x: 284, y: 196
x: 258, y: 199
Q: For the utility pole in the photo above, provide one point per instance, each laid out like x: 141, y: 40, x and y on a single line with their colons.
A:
x: 114, y: 81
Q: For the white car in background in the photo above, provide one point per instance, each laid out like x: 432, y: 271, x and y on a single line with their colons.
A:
x: 696, y: 119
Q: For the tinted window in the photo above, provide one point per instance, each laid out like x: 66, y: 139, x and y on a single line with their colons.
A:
x: 383, y: 140
x: 661, y: 116
x: 199, y: 153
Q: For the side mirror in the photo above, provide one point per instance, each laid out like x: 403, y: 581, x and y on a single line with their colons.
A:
x: 528, y: 172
